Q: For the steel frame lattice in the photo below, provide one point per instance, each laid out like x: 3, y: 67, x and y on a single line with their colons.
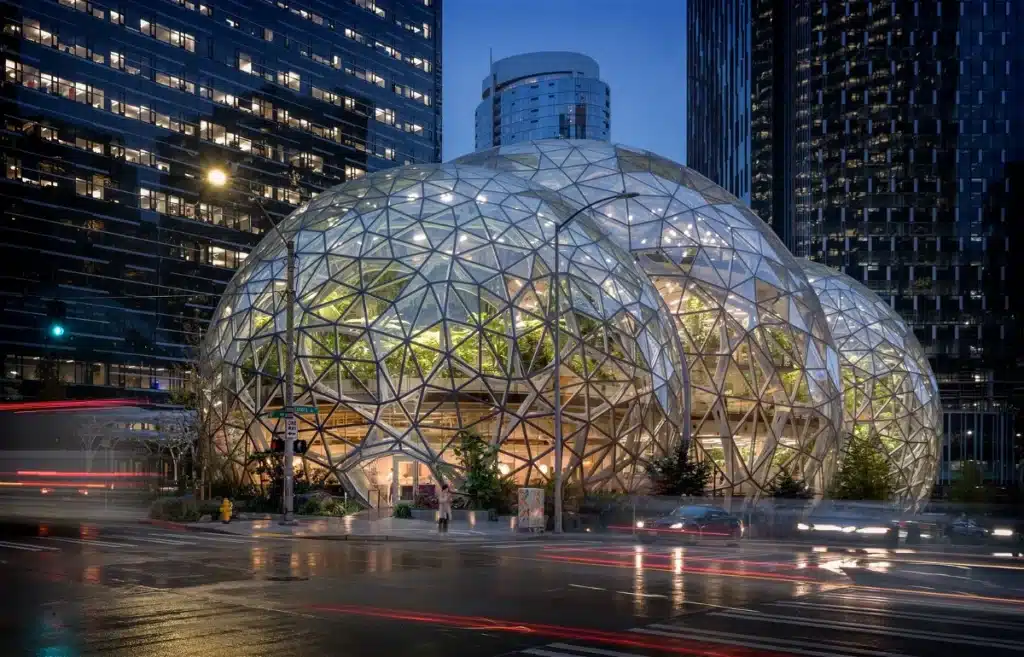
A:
x: 422, y: 296
x: 890, y: 396
x: 763, y: 370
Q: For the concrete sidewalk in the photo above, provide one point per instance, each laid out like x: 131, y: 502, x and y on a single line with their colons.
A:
x: 360, y: 528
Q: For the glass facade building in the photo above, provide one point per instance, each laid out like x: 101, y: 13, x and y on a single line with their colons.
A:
x: 115, y: 113
x: 719, y: 92
x: 425, y: 313
x: 543, y: 95
x: 885, y: 140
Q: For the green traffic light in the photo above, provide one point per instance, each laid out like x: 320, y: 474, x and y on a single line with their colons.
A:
x: 56, y: 330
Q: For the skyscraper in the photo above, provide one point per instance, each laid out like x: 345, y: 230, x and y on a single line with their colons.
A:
x: 883, y: 135
x: 147, y: 145
x: 543, y: 95
x: 718, y: 92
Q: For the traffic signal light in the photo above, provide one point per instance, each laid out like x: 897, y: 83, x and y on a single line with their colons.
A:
x: 298, y: 446
x: 56, y: 313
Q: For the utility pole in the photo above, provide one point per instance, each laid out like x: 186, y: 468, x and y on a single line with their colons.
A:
x: 555, y: 311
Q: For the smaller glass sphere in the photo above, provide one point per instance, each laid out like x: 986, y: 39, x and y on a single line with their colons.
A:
x: 890, y: 396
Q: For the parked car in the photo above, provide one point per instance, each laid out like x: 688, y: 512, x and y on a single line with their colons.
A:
x: 692, y: 524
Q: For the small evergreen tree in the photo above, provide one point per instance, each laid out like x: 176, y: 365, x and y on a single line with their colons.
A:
x: 483, y: 484
x: 678, y: 473
x: 785, y: 486
x: 970, y: 487
x: 864, y: 472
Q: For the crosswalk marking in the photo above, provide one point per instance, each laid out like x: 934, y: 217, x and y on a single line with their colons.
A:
x: 862, y: 628
x: 791, y: 646
x: 27, y: 547
x: 540, y: 652
x: 887, y: 613
x: 882, y: 624
x: 576, y: 651
x: 592, y: 651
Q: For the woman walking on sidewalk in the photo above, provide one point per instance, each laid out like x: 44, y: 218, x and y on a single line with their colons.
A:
x: 444, y: 509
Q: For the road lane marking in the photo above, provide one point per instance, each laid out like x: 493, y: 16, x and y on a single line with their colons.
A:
x: 860, y: 627
x: 642, y: 595
x: 708, y: 604
x: 88, y: 542
x: 791, y: 646
x: 161, y: 541
x: 903, y: 614
x: 29, y: 548
x: 592, y: 588
x: 223, y: 539
x: 550, y: 653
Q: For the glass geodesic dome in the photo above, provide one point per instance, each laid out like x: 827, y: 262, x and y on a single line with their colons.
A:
x: 890, y: 396
x: 764, y: 375
x: 422, y: 310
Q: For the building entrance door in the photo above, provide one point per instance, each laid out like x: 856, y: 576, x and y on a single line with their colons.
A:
x: 411, y: 479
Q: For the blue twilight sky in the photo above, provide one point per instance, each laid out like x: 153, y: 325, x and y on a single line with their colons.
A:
x: 640, y: 47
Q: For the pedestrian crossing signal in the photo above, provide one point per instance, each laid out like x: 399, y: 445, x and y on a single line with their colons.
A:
x: 300, y: 446
x: 277, y: 445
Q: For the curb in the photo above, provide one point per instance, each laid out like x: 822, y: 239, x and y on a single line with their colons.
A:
x: 383, y: 538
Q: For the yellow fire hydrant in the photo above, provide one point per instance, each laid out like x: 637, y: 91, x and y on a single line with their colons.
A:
x: 225, y: 511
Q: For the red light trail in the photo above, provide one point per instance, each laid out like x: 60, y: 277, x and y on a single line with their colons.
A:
x: 661, y: 644
x: 67, y: 405
x: 97, y: 475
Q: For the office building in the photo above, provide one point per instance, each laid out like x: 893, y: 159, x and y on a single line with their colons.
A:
x: 146, y: 146
x: 543, y: 95
x: 718, y: 98
x: 883, y: 137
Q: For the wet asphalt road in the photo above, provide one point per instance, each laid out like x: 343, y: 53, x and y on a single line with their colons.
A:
x: 72, y: 590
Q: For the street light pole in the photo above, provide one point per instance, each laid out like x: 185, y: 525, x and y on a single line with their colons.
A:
x: 556, y: 305
x: 219, y: 178
x: 291, y: 429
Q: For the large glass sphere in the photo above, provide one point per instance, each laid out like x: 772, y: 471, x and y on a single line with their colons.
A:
x: 423, y: 310
x: 764, y: 374
x: 889, y: 392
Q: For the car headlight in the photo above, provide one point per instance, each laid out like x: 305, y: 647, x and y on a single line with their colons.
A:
x: 640, y: 524
x: 873, y: 530
x: 676, y: 525
x: 802, y: 526
x: 1002, y: 531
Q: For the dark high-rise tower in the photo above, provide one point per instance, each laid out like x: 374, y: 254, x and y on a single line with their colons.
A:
x: 115, y: 115
x: 718, y: 92
x: 884, y: 137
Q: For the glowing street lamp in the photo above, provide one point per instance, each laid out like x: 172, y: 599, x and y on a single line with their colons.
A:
x: 217, y: 177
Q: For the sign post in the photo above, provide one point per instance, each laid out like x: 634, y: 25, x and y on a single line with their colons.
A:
x: 304, y: 410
